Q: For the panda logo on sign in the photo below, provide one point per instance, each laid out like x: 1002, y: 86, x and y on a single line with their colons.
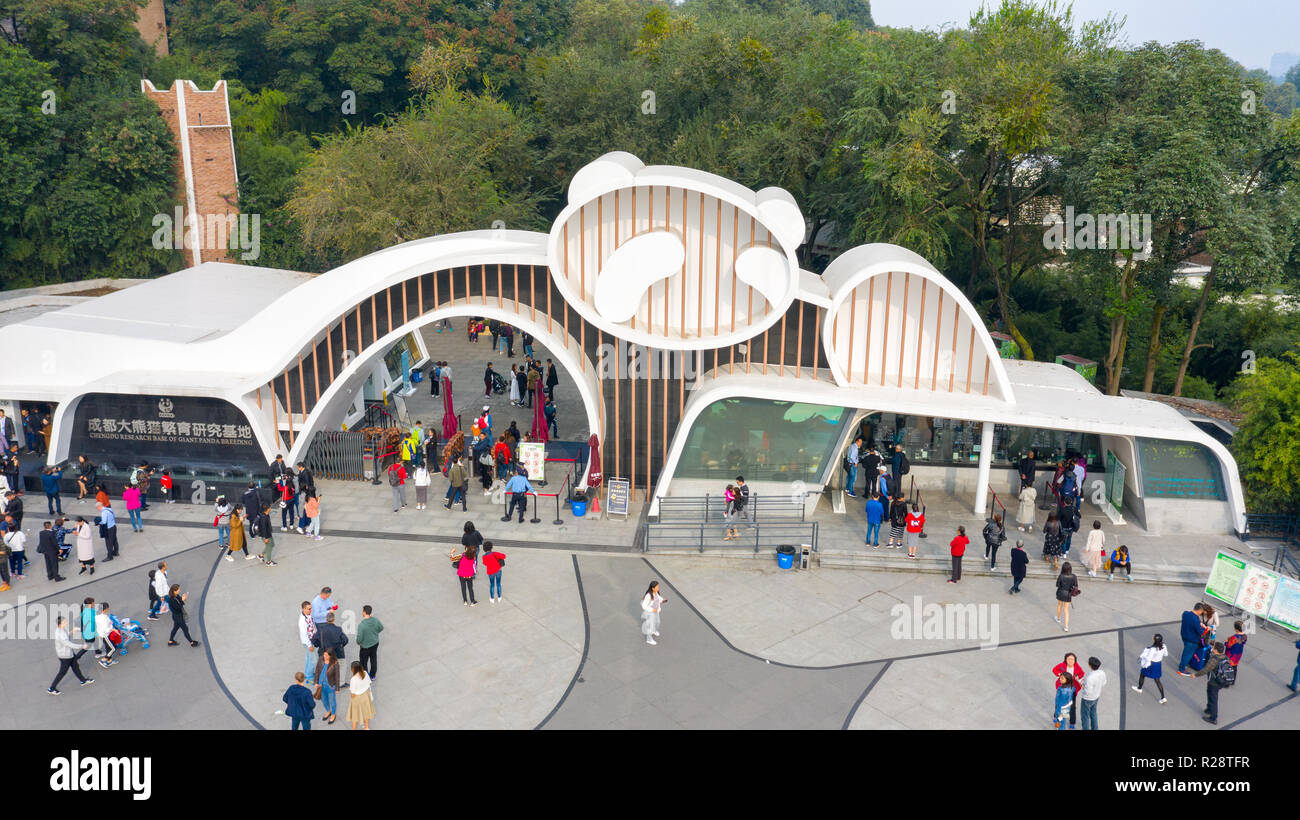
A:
x: 672, y: 256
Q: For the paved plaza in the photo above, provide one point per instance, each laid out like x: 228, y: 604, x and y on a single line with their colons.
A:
x: 743, y: 644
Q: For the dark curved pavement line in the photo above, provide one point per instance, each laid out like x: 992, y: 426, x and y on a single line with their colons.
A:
x: 854, y: 711
x: 1123, y: 688
x: 1259, y: 712
x: 207, y: 644
x: 933, y: 654
x: 444, y: 539
x: 586, y: 646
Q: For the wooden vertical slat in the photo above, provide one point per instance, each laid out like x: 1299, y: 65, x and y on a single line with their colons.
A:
x: 482, y: 276
x: 871, y: 310
x: 970, y: 357
x: 717, y: 272
x: 987, y: 364
x: 532, y: 291
x: 437, y: 303
x: 302, y: 386
x: 288, y: 406
x: 766, y: 350
x: 515, y: 292
x: 259, y: 397
x: 952, y: 373
x: 548, y: 307
x: 361, y: 342
x: 329, y: 352
x: 388, y: 299
x: 315, y: 369
x: 817, y: 342
x: 500, y: 289
x: 884, y: 337
x: 582, y: 251
x: 798, y: 350
x: 419, y: 294
x: 938, y: 340
x: 902, y: 331
x: 405, y: 315
x: 781, y: 370
x: 735, y: 239
x: 920, y: 334
x: 853, y: 316
x: 686, y: 256
x: 374, y: 319
x: 668, y: 288
x: 275, y: 411
x: 699, y: 293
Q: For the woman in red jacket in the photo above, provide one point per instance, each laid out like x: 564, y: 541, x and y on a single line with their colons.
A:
x: 915, y: 524
x: 1071, y: 665
x: 958, y: 546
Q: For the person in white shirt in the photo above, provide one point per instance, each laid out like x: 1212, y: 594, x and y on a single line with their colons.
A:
x: 16, y: 541
x: 422, y: 480
x: 651, y: 602
x: 104, y: 626
x: 1091, y: 693
x: 1095, y: 548
x: 161, y: 586
x: 68, y: 652
x: 306, y: 631
x: 361, y: 705
x: 1149, y: 665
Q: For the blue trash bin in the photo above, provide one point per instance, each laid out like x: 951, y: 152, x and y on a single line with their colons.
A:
x: 785, y: 556
x: 579, y: 508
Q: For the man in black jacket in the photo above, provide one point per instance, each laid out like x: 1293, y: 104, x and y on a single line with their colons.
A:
x: 552, y: 378
x: 871, y: 467
x: 262, y: 530
x: 252, y: 501
x: 306, y: 484
x: 329, y: 636
x: 279, y: 468
x: 1027, y: 465
x: 1019, y: 566
x: 49, y: 550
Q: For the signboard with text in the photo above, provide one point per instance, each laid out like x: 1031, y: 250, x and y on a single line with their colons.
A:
x: 532, y: 454
x: 1255, y: 590
x: 122, y: 428
x: 616, y: 496
x: 1225, y: 578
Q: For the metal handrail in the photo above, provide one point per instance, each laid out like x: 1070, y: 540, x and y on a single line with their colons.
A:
x: 707, y: 504
x: 778, y: 533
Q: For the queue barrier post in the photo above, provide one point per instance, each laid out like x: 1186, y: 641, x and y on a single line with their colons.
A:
x: 534, y: 519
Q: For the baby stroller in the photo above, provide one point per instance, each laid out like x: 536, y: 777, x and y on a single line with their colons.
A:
x: 498, y: 383
x: 127, y: 632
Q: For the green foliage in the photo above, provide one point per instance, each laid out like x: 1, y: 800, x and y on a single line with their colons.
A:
x: 1267, y: 445
x: 456, y: 162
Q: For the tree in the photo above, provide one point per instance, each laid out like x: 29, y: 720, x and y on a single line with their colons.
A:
x: 86, y: 40
x: 1267, y: 443
x: 455, y: 162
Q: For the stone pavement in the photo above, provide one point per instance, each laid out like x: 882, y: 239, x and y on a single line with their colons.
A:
x: 564, y: 650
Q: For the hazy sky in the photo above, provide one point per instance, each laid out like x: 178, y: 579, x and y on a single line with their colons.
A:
x: 1248, y: 31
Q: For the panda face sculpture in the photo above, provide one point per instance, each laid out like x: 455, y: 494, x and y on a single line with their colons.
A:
x: 673, y: 257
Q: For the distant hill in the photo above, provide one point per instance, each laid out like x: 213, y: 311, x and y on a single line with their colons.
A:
x: 1281, y: 64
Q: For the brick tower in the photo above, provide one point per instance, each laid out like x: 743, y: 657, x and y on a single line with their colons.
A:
x: 151, y: 22
x: 200, y: 123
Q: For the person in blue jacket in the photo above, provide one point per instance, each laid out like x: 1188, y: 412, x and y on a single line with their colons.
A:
x: 875, y: 514
x: 1295, y: 676
x: 1061, y: 703
x: 1190, y: 632
x: 299, y: 703
x: 50, y: 482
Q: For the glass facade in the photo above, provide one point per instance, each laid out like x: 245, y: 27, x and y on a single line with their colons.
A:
x: 762, y: 440
x: 1179, y: 469
x: 393, y: 358
x: 929, y: 440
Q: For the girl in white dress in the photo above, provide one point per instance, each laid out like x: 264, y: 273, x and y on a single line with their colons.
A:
x: 514, y: 386
x: 650, y: 604
x: 1095, y: 548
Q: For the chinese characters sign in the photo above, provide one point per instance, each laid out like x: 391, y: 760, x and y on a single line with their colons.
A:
x: 163, y: 429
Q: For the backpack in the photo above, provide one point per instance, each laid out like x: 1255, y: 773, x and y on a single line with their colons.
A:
x: 904, y: 466
x: 1225, y: 674
x: 393, y: 480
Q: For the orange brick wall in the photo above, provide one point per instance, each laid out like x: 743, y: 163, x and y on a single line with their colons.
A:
x: 151, y: 22
x: 212, y: 159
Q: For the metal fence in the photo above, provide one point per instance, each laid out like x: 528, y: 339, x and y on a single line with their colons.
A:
x: 698, y: 509
x: 336, y: 454
x: 762, y: 535
x: 1283, y: 528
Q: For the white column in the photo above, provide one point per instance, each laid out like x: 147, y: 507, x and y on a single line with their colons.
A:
x: 986, y: 460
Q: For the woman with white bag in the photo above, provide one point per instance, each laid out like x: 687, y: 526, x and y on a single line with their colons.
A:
x: 650, y: 604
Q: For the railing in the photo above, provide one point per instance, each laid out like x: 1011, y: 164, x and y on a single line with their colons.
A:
x: 377, y: 415
x: 694, y: 509
x: 565, y: 489
x: 335, y: 454
x: 995, y: 506
x: 702, y: 535
x: 1286, y: 529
